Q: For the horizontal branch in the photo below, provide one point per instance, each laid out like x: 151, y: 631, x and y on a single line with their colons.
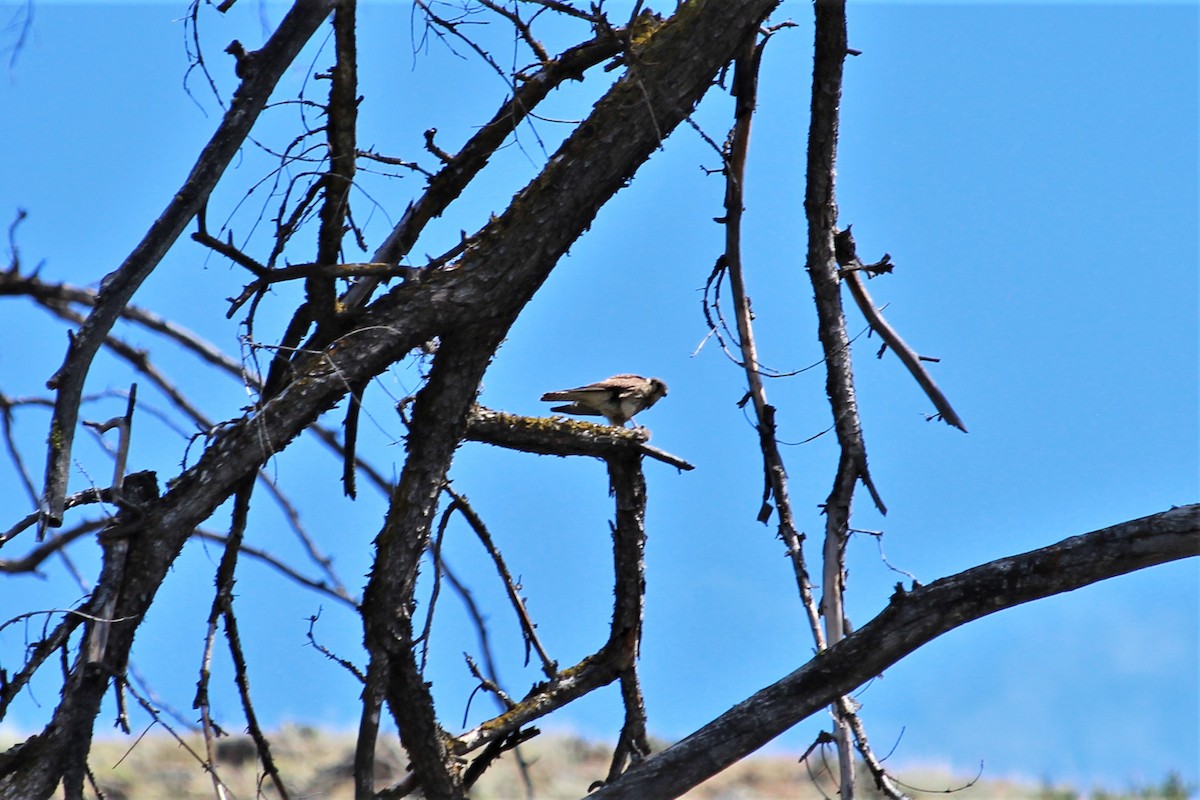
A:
x: 911, y: 620
x: 555, y: 436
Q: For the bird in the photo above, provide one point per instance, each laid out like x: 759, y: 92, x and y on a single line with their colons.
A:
x: 617, y: 399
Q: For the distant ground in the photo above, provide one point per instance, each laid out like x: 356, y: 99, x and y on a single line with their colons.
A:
x: 318, y: 764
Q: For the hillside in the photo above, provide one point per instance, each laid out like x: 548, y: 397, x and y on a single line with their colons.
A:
x: 318, y: 764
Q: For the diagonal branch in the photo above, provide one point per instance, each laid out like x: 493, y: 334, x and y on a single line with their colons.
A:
x: 269, y: 64
x: 911, y: 620
x: 462, y: 168
x: 528, y: 628
x: 906, y: 354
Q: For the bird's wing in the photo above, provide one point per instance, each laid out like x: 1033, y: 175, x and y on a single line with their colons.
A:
x: 592, y: 390
x: 578, y: 409
x: 617, y: 385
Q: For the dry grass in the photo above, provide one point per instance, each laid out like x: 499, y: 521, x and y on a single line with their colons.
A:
x: 318, y: 764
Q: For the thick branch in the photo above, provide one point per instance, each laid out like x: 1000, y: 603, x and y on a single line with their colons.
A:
x: 911, y: 620
x: 821, y: 209
x: 492, y: 281
x: 556, y: 436
x: 439, y: 419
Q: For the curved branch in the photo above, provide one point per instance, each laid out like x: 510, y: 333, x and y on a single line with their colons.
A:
x: 268, y: 67
x: 911, y: 620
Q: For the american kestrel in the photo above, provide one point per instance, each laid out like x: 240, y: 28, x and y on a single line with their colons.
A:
x: 617, y: 398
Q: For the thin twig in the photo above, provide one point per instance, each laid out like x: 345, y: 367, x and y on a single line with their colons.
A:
x: 528, y: 629
x: 774, y: 473
x: 522, y: 29
x: 227, y: 249
x: 907, y: 355
x: 450, y: 181
x: 566, y: 9
x: 336, y: 591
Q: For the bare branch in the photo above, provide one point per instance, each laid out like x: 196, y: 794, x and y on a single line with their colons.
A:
x: 461, y: 169
x: 560, y: 436
x: 774, y: 473
x: 334, y: 592
x: 341, y: 133
x: 629, y: 589
x: 821, y: 210
x: 116, y: 548
x: 522, y: 29
x: 56, y: 295
x: 848, y: 259
x: 912, y: 619
x: 373, y: 270
x: 567, y: 9
x: 528, y: 629
x: 51, y: 545
x: 117, y: 289
x: 227, y: 249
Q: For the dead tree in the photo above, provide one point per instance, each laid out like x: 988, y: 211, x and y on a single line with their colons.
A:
x: 456, y: 308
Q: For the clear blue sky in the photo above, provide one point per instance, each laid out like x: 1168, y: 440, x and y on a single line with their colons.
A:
x: 1033, y: 173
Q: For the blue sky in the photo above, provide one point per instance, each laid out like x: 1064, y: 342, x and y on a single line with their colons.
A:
x: 1031, y: 169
